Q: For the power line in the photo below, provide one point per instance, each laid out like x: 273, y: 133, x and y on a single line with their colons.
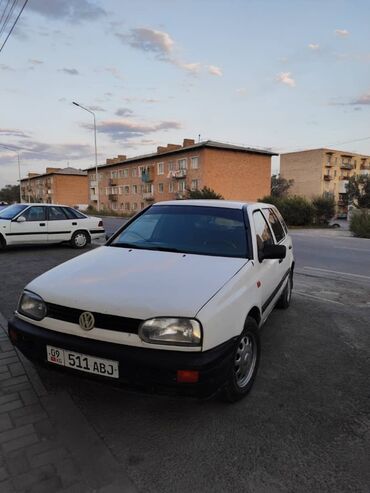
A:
x: 13, y: 26
x: 4, y: 11
x: 8, y: 17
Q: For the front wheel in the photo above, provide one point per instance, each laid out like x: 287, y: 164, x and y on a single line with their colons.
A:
x: 80, y: 239
x: 245, y: 363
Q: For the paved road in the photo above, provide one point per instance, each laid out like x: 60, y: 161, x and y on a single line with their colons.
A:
x: 305, y: 426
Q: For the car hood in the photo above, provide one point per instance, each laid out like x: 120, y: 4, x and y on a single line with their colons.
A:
x: 136, y: 283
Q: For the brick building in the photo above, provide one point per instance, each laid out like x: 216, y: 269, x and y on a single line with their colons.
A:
x: 129, y: 185
x: 319, y: 172
x: 68, y: 186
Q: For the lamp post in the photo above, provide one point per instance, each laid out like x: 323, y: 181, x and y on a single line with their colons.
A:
x: 19, y: 169
x: 96, y: 152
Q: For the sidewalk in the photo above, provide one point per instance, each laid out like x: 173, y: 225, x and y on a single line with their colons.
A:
x: 46, y: 444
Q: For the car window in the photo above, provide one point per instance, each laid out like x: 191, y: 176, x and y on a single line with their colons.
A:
x: 35, y: 213
x: 281, y: 220
x: 77, y: 214
x: 275, y: 224
x: 189, y: 229
x: 11, y: 211
x: 263, y: 233
x: 56, y: 214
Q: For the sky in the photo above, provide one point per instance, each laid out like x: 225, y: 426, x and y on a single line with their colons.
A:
x: 279, y: 74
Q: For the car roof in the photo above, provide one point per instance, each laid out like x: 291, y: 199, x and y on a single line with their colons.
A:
x: 230, y: 204
x: 44, y: 205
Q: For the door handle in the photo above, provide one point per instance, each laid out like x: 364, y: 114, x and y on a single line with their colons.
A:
x: 42, y: 224
x: 74, y: 224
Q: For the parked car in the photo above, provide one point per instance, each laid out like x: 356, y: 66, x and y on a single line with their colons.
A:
x: 47, y: 223
x: 173, y: 301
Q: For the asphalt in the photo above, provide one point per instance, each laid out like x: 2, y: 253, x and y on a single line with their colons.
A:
x: 304, y: 427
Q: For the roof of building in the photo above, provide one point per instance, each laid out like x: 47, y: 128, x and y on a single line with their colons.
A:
x: 328, y: 150
x: 206, y: 143
x: 64, y: 171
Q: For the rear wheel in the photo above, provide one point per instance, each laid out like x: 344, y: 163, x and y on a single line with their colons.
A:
x: 245, y: 363
x: 80, y: 239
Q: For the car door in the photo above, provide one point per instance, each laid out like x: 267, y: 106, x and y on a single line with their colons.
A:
x: 269, y: 270
x: 59, y: 226
x: 29, y: 227
x: 280, y: 235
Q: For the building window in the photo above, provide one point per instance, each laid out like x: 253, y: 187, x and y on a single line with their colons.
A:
x: 194, y: 184
x: 127, y: 189
x: 171, y: 187
x: 171, y: 166
x: 142, y: 205
x: 127, y: 206
x: 134, y: 172
x: 114, y: 205
x: 160, y: 187
x: 114, y: 174
x: 182, y: 163
x: 195, y: 162
x: 160, y: 168
x: 182, y: 186
x: 134, y: 188
x: 134, y: 206
x: 93, y: 177
x: 120, y: 190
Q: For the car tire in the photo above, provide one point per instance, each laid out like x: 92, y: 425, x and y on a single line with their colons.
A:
x: 2, y: 243
x: 245, y: 363
x: 80, y: 239
x: 286, y: 296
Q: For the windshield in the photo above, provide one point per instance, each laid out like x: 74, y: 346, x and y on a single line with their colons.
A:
x: 12, y: 211
x: 188, y: 229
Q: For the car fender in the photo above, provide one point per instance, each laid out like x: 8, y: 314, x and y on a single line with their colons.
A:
x: 223, y: 316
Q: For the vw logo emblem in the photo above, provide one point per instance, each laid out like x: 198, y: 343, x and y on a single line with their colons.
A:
x: 86, y: 321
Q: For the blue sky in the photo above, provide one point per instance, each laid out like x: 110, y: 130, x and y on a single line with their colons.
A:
x: 285, y: 75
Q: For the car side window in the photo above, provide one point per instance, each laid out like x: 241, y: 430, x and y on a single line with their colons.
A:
x: 263, y: 233
x: 56, y: 214
x: 275, y: 224
x: 34, y: 213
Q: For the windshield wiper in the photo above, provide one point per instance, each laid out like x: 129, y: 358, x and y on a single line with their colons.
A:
x: 127, y: 245
x: 146, y: 247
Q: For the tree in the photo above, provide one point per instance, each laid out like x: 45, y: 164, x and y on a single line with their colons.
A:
x: 280, y: 186
x: 10, y: 193
x: 205, y: 193
x: 324, y: 208
x: 358, y: 190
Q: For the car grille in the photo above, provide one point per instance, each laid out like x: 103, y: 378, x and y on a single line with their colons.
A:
x: 102, y: 321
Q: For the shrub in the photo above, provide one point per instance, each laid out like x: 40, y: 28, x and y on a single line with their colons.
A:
x: 324, y: 209
x: 295, y: 210
x: 205, y: 193
x: 91, y: 211
x: 360, y: 223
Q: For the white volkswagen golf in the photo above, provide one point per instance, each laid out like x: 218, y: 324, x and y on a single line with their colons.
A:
x: 47, y: 223
x: 173, y: 301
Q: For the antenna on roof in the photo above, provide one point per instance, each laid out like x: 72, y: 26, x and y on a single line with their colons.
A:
x: 198, y: 137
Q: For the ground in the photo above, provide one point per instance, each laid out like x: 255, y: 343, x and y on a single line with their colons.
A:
x: 304, y: 427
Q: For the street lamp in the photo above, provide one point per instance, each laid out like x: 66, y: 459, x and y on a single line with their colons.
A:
x: 19, y: 169
x: 96, y: 152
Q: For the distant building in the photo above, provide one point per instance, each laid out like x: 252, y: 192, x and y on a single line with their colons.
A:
x: 319, y: 172
x: 67, y: 186
x: 237, y: 173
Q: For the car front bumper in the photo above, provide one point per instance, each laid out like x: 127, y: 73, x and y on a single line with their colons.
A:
x: 147, y: 369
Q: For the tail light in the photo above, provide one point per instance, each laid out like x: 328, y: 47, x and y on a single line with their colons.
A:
x: 100, y: 225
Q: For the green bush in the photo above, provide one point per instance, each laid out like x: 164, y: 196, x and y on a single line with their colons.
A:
x: 360, y: 223
x: 91, y: 211
x: 295, y: 210
x: 205, y: 193
x: 324, y: 209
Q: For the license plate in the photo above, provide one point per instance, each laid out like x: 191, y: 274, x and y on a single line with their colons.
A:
x: 82, y: 362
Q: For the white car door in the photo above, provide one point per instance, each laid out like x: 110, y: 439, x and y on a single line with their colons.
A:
x: 269, y: 270
x: 29, y: 227
x: 60, y: 228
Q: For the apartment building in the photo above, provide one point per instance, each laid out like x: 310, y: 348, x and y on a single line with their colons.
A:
x: 130, y: 184
x: 68, y: 186
x: 323, y: 172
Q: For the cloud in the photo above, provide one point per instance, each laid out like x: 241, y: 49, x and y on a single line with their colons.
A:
x: 363, y: 100
x: 115, y: 72
x: 213, y: 70
x: 72, y: 10
x: 314, y: 46
x: 13, y: 132
x: 191, y: 68
x: 96, y: 108
x: 124, y: 129
x: 341, y: 33
x: 6, y: 68
x: 69, y: 71
x: 33, y: 61
x: 286, y: 78
x: 124, y: 112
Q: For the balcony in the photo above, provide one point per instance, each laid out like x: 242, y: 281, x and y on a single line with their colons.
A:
x: 344, y: 177
x: 342, y: 202
x: 93, y: 184
x: 113, y: 197
x: 149, y: 196
x: 179, y: 173
x: 346, y: 165
x: 113, y: 182
x: 94, y: 197
x: 365, y: 167
x: 328, y: 177
x: 147, y: 175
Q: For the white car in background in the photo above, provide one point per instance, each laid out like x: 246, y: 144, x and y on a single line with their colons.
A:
x: 173, y: 301
x: 32, y: 224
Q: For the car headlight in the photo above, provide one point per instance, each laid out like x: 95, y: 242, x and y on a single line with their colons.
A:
x: 32, y: 305
x: 175, y: 331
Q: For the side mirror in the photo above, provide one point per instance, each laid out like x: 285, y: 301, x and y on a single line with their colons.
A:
x: 21, y: 219
x: 272, y: 252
